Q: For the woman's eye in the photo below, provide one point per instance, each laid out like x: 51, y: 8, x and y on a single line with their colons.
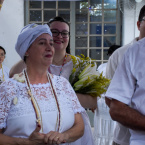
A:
x: 65, y: 33
x: 51, y: 44
x: 54, y: 32
x: 42, y: 43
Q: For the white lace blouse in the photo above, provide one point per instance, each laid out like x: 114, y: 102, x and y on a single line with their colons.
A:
x: 19, y: 119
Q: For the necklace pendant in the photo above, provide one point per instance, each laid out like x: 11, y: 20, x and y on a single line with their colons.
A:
x: 15, y: 100
x: 38, y: 120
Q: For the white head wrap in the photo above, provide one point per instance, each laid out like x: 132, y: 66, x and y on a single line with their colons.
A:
x: 28, y: 35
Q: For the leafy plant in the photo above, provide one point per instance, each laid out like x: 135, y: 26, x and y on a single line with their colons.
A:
x: 85, y: 78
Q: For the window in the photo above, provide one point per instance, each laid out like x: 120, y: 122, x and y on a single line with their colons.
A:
x: 94, y: 24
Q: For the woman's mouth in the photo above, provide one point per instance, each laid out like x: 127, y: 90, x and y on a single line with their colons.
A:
x: 48, y: 55
x: 58, y: 42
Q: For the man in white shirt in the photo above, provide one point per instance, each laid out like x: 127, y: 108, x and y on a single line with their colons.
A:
x: 121, y: 134
x: 127, y: 91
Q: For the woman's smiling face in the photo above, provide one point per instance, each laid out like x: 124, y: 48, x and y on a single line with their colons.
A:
x: 60, y: 42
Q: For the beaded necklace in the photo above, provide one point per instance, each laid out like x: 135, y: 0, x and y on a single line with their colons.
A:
x: 63, y: 64
x: 36, y: 106
x: 3, y: 77
x: 64, y: 61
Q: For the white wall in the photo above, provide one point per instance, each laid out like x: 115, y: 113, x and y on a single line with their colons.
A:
x: 11, y: 22
x: 130, y: 18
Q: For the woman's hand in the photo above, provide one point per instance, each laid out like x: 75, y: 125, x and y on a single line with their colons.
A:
x: 87, y: 101
x: 70, y: 135
x: 54, y: 137
x: 36, y: 137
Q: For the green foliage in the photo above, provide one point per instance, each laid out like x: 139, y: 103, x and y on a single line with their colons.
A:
x: 85, y: 79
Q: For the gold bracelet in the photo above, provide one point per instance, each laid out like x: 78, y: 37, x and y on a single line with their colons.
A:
x: 0, y: 5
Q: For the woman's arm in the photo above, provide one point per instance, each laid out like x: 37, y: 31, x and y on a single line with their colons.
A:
x: 70, y: 135
x: 76, y: 131
x: 35, y: 139
x: 17, y: 68
x: 87, y: 101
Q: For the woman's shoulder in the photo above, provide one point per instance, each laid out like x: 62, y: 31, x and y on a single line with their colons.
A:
x: 19, y: 77
x: 16, y: 80
x: 8, y: 83
x: 60, y: 81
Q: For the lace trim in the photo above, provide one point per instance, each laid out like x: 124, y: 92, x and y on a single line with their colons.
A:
x: 12, y: 88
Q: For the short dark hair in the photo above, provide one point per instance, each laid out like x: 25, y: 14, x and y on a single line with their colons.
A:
x: 112, y: 49
x: 142, y: 13
x: 57, y: 18
x: 60, y: 19
x: 3, y: 49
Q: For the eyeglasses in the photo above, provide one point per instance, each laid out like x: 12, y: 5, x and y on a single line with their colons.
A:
x: 64, y: 34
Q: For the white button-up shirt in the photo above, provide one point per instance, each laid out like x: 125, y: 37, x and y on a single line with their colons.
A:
x: 128, y: 84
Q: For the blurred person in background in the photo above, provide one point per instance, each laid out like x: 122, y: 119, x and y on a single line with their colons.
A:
x: 102, y: 67
x: 103, y: 124
x: 4, y: 70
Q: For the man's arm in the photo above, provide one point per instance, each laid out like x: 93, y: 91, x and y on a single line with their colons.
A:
x: 107, y: 101
x: 127, y: 116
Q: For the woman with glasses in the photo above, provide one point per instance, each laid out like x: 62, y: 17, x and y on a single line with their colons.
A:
x: 62, y: 65
x: 4, y: 71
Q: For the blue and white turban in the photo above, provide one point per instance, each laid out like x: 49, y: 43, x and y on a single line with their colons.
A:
x: 28, y: 35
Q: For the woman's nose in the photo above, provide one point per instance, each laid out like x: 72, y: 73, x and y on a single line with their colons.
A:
x: 59, y: 34
x: 48, y: 47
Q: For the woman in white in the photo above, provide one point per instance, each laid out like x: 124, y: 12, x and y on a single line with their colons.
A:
x: 62, y: 66
x: 4, y: 70
x: 36, y: 107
